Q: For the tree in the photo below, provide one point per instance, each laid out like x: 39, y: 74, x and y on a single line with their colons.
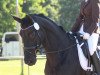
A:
x: 47, y: 7
x: 68, y: 12
x: 61, y: 11
x: 7, y: 8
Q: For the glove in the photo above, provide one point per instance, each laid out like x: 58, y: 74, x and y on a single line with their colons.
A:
x: 98, y: 30
x: 70, y: 32
x: 86, y: 36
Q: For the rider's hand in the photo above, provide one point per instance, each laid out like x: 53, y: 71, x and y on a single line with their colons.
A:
x: 98, y: 30
x: 86, y: 36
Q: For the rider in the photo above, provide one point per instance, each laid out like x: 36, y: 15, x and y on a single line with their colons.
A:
x: 87, y: 24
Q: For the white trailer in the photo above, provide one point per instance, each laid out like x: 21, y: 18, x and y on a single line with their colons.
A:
x: 11, y: 45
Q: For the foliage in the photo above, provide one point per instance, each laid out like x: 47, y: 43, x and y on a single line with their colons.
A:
x: 7, y: 8
x: 48, y: 7
x: 68, y: 12
x: 63, y: 12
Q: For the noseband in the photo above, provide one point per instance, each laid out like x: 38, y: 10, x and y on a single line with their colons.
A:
x: 32, y: 47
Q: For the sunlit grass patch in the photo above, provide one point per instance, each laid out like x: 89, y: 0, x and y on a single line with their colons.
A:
x: 13, y: 67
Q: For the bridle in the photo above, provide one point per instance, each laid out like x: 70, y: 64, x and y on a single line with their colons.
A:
x: 36, y: 32
x: 38, y: 36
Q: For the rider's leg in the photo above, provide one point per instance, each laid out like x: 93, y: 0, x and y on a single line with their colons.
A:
x: 92, y: 43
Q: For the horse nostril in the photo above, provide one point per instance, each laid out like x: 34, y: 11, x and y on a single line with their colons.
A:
x: 30, y: 61
x: 26, y: 62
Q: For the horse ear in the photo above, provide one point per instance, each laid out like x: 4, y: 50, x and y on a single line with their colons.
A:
x: 30, y: 18
x: 17, y: 19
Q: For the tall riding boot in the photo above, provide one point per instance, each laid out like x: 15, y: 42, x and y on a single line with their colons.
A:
x: 96, y: 63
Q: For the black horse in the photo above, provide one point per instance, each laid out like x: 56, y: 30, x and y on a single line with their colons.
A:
x: 60, y: 48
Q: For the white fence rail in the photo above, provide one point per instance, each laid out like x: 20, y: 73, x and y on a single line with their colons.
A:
x: 20, y: 57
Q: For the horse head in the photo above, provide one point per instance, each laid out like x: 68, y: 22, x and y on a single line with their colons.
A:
x: 37, y: 30
x: 30, y: 37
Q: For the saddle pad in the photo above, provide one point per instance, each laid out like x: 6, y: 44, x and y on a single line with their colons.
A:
x: 82, y: 59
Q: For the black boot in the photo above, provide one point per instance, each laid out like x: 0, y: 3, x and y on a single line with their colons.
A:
x: 96, y: 63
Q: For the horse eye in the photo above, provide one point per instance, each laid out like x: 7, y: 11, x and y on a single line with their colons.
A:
x: 31, y: 36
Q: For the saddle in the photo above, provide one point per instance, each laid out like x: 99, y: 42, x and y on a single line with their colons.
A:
x: 93, y: 60
x: 84, y: 43
x: 84, y: 47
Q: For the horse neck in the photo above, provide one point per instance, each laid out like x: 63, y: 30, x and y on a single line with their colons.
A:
x: 55, y: 39
x: 55, y: 45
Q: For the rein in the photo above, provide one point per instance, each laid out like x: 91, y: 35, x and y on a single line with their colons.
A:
x: 50, y: 51
x: 61, y: 49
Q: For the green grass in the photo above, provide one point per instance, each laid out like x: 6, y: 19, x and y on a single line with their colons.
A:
x: 13, y: 67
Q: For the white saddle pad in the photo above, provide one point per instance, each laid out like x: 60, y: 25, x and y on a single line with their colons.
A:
x: 82, y: 59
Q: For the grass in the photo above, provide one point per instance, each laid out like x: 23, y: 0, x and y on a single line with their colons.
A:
x: 13, y: 67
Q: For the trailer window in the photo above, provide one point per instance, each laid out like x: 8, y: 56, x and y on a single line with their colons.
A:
x: 11, y: 37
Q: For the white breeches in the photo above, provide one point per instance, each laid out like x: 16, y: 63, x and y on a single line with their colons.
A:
x: 92, y: 41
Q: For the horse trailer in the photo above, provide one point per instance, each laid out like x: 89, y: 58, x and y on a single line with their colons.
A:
x: 11, y: 45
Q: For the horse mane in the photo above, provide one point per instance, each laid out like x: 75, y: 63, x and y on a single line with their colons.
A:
x: 43, y: 16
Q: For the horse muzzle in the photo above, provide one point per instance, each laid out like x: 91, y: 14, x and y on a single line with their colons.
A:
x: 30, y: 62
